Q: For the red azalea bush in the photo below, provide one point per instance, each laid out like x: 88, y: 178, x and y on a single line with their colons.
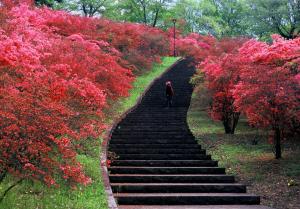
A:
x: 219, y: 64
x: 258, y: 79
x: 129, y: 39
x: 222, y: 72
x: 250, y: 77
x: 269, y: 88
x: 140, y: 45
x: 192, y: 45
x: 57, y: 72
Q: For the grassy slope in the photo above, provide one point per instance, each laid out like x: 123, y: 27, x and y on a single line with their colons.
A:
x: 29, y: 195
x: 253, y: 164
x: 142, y: 82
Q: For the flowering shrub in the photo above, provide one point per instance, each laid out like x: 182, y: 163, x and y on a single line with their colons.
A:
x: 257, y: 79
x: 269, y: 87
x: 140, y: 45
x: 57, y: 72
x: 249, y: 76
x: 192, y: 45
x: 221, y: 72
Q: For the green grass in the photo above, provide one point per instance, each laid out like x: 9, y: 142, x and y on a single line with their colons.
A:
x: 142, y: 82
x: 237, y: 152
x: 34, y: 195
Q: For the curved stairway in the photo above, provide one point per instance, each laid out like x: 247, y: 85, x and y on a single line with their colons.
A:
x: 160, y: 163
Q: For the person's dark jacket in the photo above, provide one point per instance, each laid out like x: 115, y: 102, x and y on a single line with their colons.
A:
x: 169, y: 90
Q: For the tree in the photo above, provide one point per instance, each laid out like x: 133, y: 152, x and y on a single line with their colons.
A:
x: 49, y: 3
x: 219, y: 18
x: 148, y: 12
x: 269, y: 87
x: 89, y: 8
x: 232, y: 17
x: 222, y: 72
x: 186, y: 11
x: 275, y: 16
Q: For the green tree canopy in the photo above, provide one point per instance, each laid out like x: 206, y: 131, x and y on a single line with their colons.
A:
x: 255, y: 18
x: 275, y: 16
x: 88, y: 8
x: 49, y: 3
x: 150, y: 12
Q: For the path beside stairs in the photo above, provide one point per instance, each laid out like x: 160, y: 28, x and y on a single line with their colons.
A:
x: 160, y: 164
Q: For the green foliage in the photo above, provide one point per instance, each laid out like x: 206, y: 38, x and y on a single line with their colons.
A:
x: 149, y: 12
x: 198, y: 79
x: 274, y: 16
x: 216, y: 17
x: 186, y: 10
x: 88, y: 8
x: 240, y: 17
x: 254, y: 18
x: 49, y: 3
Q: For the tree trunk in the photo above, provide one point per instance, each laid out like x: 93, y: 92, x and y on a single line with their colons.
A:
x: 230, y: 122
x: 145, y: 14
x: 235, y: 120
x: 277, y: 143
x: 2, y: 175
x: 226, y: 124
x: 85, y: 12
x: 155, y: 18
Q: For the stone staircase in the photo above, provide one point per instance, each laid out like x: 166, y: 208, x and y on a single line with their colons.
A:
x: 160, y: 163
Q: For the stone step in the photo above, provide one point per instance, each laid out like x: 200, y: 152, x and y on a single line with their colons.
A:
x: 152, y: 141
x: 157, y: 151
x: 159, y: 162
x: 152, y: 122
x: 152, y: 129
x: 157, y: 121
x: 154, y: 146
x: 162, y: 104
x: 164, y: 115
x: 155, y: 132
x: 162, y: 119
x: 163, y: 112
x: 154, y: 136
x: 152, y: 133
x: 175, y: 178
x: 193, y: 207
x: 163, y: 157
x: 165, y: 170
x: 146, y: 135
x: 159, y: 111
x: 166, y: 163
x: 178, y: 188
x: 186, y: 199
